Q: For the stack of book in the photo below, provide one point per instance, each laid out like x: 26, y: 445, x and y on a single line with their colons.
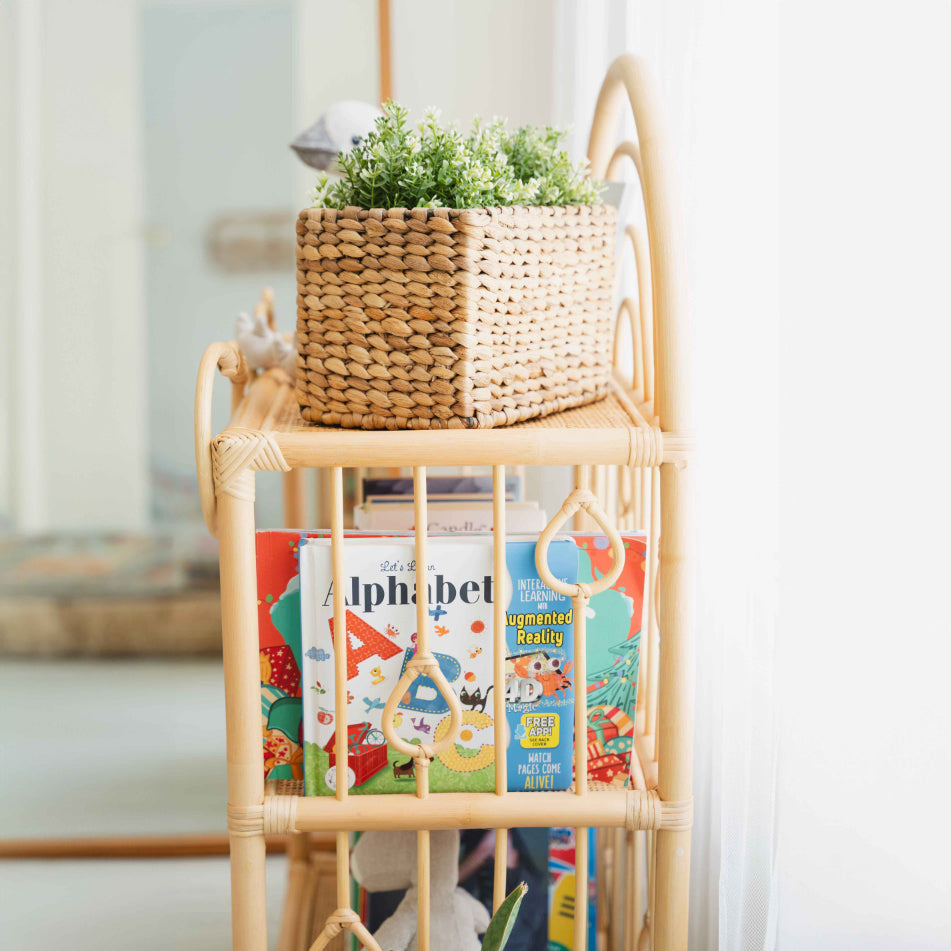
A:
x: 455, y: 504
x: 297, y: 668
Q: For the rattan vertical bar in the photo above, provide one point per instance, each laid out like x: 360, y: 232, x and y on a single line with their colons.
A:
x: 295, y: 505
x: 422, y: 649
x: 340, y: 676
x: 498, y: 674
x: 653, y: 625
x: 243, y: 716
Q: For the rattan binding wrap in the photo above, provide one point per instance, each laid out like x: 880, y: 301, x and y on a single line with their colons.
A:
x: 432, y: 319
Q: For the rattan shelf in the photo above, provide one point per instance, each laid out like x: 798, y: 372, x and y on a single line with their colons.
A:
x: 614, y: 431
x: 631, y: 454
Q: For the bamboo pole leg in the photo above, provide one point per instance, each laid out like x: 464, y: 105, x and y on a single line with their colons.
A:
x: 675, y: 697
x: 295, y: 504
x: 298, y: 867
x: 243, y: 717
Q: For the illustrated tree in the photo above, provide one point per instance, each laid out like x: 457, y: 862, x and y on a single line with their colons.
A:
x: 616, y: 685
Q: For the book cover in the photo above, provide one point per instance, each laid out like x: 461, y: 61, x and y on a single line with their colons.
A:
x: 539, y: 689
x: 613, y: 635
x: 381, y: 631
x: 279, y: 642
x: 448, y: 516
x: 562, y: 900
x: 464, y: 486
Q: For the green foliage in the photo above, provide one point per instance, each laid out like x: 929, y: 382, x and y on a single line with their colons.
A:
x: 437, y: 166
x: 500, y: 927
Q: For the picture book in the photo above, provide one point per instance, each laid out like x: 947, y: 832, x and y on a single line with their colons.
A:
x: 562, y: 900
x: 381, y: 635
x: 613, y: 639
x: 467, y: 487
x: 279, y: 644
x: 448, y: 515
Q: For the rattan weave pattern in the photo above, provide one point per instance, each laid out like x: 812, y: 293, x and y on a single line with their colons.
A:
x: 609, y: 413
x: 446, y: 318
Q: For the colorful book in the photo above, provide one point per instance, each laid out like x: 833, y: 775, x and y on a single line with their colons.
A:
x: 448, y: 515
x: 458, y: 487
x: 563, y: 904
x: 280, y: 654
x: 613, y: 635
x: 381, y: 632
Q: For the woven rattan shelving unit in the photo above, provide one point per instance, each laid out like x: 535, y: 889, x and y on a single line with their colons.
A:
x: 631, y: 455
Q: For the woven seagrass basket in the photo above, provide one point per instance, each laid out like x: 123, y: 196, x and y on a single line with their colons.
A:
x: 431, y: 319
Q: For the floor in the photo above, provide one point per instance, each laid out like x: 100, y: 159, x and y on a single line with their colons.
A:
x: 93, y: 748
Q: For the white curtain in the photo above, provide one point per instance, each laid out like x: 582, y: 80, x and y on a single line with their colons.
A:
x: 716, y: 70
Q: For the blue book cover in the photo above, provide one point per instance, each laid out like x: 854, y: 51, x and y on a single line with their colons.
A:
x: 539, y: 689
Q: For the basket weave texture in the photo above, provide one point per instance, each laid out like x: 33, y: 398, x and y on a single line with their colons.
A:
x: 445, y: 318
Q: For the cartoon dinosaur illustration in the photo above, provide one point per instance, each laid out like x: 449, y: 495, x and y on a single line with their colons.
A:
x: 377, y: 676
x: 404, y: 769
x: 421, y: 726
x: 475, y: 701
x: 373, y: 703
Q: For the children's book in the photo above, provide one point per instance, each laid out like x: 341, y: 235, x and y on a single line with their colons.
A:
x: 280, y: 654
x: 613, y: 636
x: 279, y: 639
x: 381, y: 640
x: 448, y: 515
x: 563, y: 903
x: 461, y: 488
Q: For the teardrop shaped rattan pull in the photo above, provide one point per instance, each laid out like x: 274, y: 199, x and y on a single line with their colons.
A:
x: 580, y: 499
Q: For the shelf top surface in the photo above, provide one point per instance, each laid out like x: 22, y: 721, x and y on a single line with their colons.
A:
x: 612, y: 431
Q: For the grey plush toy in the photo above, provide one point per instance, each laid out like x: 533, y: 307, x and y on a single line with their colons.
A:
x: 385, y: 861
x: 337, y: 130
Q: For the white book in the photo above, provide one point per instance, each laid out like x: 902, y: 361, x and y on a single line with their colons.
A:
x: 381, y: 636
x: 448, y: 516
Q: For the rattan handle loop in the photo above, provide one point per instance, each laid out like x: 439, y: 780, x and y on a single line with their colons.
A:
x: 442, y: 685
x: 344, y: 919
x: 228, y: 358
x: 587, y: 500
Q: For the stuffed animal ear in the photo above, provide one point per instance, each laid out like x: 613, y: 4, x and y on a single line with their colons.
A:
x: 384, y: 861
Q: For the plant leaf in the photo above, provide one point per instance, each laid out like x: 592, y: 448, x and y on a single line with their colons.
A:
x: 500, y: 927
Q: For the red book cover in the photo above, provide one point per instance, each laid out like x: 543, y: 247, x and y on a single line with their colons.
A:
x: 280, y: 654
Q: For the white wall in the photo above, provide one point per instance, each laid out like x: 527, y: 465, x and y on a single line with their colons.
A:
x: 78, y: 448
x: 864, y: 828
x: 8, y: 241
